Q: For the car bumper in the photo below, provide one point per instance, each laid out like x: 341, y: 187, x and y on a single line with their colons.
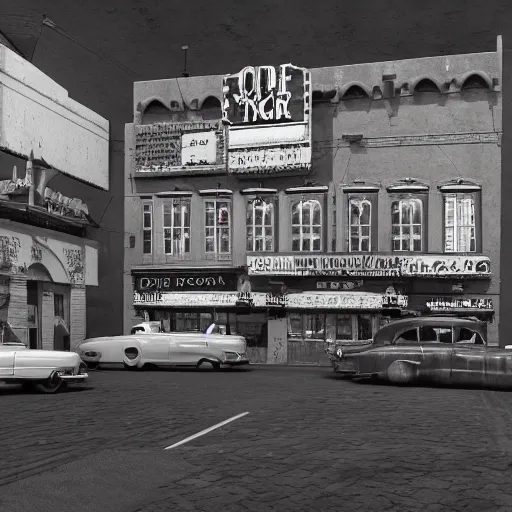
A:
x: 75, y: 379
x: 235, y: 359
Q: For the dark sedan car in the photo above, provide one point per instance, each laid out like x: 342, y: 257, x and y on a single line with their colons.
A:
x: 437, y: 349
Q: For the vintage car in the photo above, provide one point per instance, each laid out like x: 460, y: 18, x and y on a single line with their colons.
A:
x: 147, y: 345
x: 435, y: 349
x: 46, y: 371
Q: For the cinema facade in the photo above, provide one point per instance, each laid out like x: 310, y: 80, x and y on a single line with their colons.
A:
x: 295, y: 207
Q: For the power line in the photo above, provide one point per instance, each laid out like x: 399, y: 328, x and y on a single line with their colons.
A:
x: 50, y: 24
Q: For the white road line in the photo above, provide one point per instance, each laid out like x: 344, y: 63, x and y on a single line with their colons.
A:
x: 205, y: 431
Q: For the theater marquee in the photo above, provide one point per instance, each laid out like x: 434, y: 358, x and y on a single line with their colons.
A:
x: 430, y: 265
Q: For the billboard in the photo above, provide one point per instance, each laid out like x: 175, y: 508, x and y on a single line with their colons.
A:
x: 36, y: 115
x: 268, y: 112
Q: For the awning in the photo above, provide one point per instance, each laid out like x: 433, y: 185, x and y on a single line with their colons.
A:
x: 307, y: 300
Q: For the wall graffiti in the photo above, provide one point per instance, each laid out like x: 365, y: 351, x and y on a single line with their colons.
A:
x: 75, y: 265
x: 9, y: 252
x: 370, y: 265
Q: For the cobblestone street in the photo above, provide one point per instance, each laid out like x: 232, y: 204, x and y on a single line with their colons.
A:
x: 311, y: 441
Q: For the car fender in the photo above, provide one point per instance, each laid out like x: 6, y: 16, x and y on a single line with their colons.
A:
x: 403, y: 371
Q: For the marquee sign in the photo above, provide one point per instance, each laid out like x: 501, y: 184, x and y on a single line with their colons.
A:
x: 371, y: 265
x: 448, y: 303
x: 319, y: 300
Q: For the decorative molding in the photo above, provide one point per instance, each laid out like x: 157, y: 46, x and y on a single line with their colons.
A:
x: 258, y: 191
x: 215, y: 192
x: 307, y: 190
x: 175, y: 193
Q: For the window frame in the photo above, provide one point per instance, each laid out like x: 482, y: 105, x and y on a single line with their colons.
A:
x: 422, y: 197
x: 169, y: 202
x: 250, y: 206
x: 373, y: 199
x: 215, y: 254
x: 148, y: 203
x: 295, y: 199
x: 475, y: 192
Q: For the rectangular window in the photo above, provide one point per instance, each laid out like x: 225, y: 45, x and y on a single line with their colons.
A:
x: 360, y: 213
x: 459, y: 222
x: 307, y: 215
x: 407, y: 224
x: 323, y: 326
x: 58, y: 303
x: 147, y: 228
x: 176, y: 224
x: 218, y: 226
x: 260, y: 215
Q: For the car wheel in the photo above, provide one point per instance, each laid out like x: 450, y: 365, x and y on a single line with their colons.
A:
x: 51, y: 385
x: 402, y: 372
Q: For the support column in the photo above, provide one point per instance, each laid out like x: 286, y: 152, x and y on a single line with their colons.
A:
x: 77, y: 315
x: 47, y: 317
x: 17, y: 313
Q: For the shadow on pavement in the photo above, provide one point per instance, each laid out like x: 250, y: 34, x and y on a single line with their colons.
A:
x: 18, y: 389
x: 431, y: 385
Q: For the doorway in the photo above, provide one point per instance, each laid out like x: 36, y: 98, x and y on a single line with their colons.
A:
x: 33, y: 314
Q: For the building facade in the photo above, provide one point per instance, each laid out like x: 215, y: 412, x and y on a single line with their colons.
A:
x: 47, y: 260
x: 296, y: 206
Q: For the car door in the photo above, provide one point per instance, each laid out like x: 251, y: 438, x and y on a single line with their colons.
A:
x: 6, y: 361
x: 188, y: 349
x: 155, y: 348
x: 436, y: 343
x: 469, y: 359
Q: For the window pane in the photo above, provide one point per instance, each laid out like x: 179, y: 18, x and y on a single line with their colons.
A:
x: 344, y: 327
x: 314, y: 326
x: 146, y: 247
x: 365, y: 245
x: 294, y: 325
x: 296, y: 216
x: 317, y: 214
x: 364, y: 327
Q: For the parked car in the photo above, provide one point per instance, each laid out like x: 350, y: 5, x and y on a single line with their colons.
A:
x: 436, y: 349
x: 46, y: 371
x: 148, y: 345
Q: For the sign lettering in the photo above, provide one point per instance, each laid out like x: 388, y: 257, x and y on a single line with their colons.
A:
x: 171, y: 283
x: 370, y: 265
x: 447, y: 303
x: 266, y: 94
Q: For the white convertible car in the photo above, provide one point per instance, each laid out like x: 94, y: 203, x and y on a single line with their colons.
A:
x: 46, y: 371
x: 147, y: 345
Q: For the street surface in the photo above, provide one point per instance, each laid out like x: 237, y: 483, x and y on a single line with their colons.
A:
x: 310, y: 442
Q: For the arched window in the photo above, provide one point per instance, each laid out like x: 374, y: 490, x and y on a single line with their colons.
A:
x: 360, y: 222
x: 307, y: 225
x: 406, y: 224
x: 426, y: 85
x: 156, y: 108
x: 355, y: 92
x: 260, y: 225
x: 474, y: 82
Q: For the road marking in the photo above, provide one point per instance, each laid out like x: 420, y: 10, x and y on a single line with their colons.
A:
x: 205, y: 431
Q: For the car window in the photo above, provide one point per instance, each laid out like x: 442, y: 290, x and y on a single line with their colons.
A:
x: 470, y: 336
x: 407, y: 336
x: 434, y: 334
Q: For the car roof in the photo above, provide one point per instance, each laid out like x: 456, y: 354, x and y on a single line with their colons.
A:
x: 418, y: 321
